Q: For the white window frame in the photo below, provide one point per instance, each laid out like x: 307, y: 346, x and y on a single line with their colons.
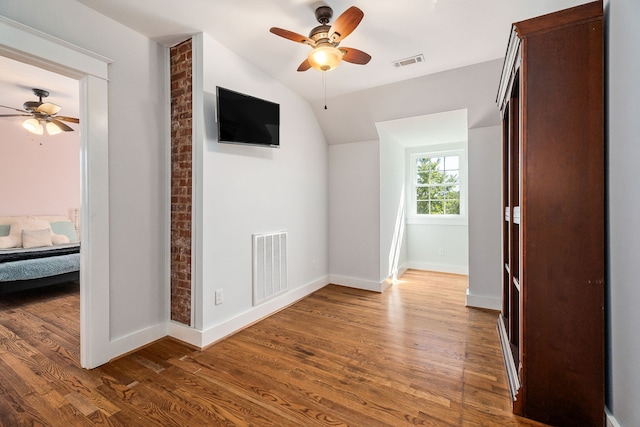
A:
x: 412, y: 216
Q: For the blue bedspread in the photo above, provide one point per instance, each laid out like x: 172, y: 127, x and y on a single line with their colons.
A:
x: 41, y: 267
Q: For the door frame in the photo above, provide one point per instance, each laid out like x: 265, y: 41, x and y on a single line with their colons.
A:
x: 33, y: 47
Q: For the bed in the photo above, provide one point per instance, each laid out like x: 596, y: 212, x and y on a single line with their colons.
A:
x: 37, y: 251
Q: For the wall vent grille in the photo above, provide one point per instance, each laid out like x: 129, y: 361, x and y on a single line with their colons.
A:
x: 269, y: 266
x: 408, y: 61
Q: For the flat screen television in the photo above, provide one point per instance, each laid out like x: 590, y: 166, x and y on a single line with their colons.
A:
x: 244, y: 119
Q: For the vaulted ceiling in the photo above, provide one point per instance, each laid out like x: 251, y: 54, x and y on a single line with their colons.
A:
x: 448, y: 33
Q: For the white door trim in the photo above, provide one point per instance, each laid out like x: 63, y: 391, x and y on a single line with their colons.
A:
x: 34, y: 47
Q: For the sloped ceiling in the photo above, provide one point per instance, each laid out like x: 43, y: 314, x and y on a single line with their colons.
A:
x: 449, y: 33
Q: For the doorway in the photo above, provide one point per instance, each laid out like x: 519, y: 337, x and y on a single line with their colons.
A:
x: 49, y: 167
x: 91, y: 71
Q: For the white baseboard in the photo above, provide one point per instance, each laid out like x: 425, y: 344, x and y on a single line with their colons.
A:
x: 611, y: 420
x: 442, y: 268
x: 138, y: 339
x: 184, y: 333
x: 482, y: 301
x: 403, y: 269
x: 215, y: 333
x: 352, y: 282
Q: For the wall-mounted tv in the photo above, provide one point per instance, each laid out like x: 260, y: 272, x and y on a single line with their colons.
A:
x: 244, y: 119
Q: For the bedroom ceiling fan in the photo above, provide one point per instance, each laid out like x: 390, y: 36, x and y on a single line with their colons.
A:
x: 42, y: 115
x: 325, y: 39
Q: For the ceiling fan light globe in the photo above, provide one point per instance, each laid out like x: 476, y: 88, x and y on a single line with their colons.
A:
x: 48, y: 108
x: 325, y: 58
x: 33, y: 126
x: 53, y: 129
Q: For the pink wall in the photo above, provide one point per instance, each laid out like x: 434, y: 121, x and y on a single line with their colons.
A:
x: 39, y: 174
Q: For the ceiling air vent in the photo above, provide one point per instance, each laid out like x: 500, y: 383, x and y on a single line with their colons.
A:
x: 408, y: 61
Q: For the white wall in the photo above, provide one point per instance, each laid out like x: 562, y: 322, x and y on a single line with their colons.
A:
x: 438, y: 247
x: 485, y: 198
x: 354, y: 214
x: 40, y: 173
x: 393, y: 242
x: 249, y: 190
x: 623, y: 101
x: 137, y: 160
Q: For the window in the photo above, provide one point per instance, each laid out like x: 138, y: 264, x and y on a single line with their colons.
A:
x: 437, y: 184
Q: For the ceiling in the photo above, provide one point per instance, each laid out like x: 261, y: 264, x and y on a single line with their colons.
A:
x: 449, y: 33
x: 17, y: 81
x: 433, y: 129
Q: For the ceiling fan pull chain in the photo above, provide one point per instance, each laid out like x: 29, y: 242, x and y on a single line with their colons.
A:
x: 324, y: 84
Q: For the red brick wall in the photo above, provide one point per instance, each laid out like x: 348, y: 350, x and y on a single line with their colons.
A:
x: 181, y: 189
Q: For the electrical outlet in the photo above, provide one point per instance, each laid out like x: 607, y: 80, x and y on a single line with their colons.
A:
x: 219, y: 296
x: 441, y: 251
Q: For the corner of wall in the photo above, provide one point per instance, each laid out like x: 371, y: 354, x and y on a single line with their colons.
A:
x: 203, y: 338
x: 611, y: 420
x: 356, y: 283
x: 482, y: 301
x: 137, y: 340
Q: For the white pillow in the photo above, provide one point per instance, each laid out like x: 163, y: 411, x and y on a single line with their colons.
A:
x: 36, y: 238
x: 59, y: 239
x: 7, y: 242
x: 27, y: 224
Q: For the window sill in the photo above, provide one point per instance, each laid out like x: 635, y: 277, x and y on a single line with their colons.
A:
x: 437, y: 220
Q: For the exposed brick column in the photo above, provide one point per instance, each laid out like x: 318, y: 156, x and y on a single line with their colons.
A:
x: 181, y: 185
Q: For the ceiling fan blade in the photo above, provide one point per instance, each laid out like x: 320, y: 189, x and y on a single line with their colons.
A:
x: 292, y: 36
x: 48, y: 108
x: 15, y: 115
x: 345, y: 24
x: 61, y: 125
x: 15, y: 109
x: 305, y: 65
x: 355, y: 56
x: 68, y: 119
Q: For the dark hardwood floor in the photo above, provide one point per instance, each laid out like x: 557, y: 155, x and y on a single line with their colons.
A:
x: 414, y: 355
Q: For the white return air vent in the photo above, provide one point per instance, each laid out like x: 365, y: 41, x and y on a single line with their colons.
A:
x: 417, y: 59
x: 269, y: 266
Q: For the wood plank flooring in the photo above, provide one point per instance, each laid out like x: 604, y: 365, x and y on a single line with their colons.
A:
x: 414, y: 355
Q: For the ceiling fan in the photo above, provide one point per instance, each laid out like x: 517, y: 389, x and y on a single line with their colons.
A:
x: 325, y: 39
x: 42, y: 113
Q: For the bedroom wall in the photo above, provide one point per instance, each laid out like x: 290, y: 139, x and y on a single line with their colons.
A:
x: 244, y: 190
x: 393, y: 232
x: 137, y: 94
x: 623, y: 104
x: 41, y: 173
x: 354, y: 214
x: 485, y: 201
